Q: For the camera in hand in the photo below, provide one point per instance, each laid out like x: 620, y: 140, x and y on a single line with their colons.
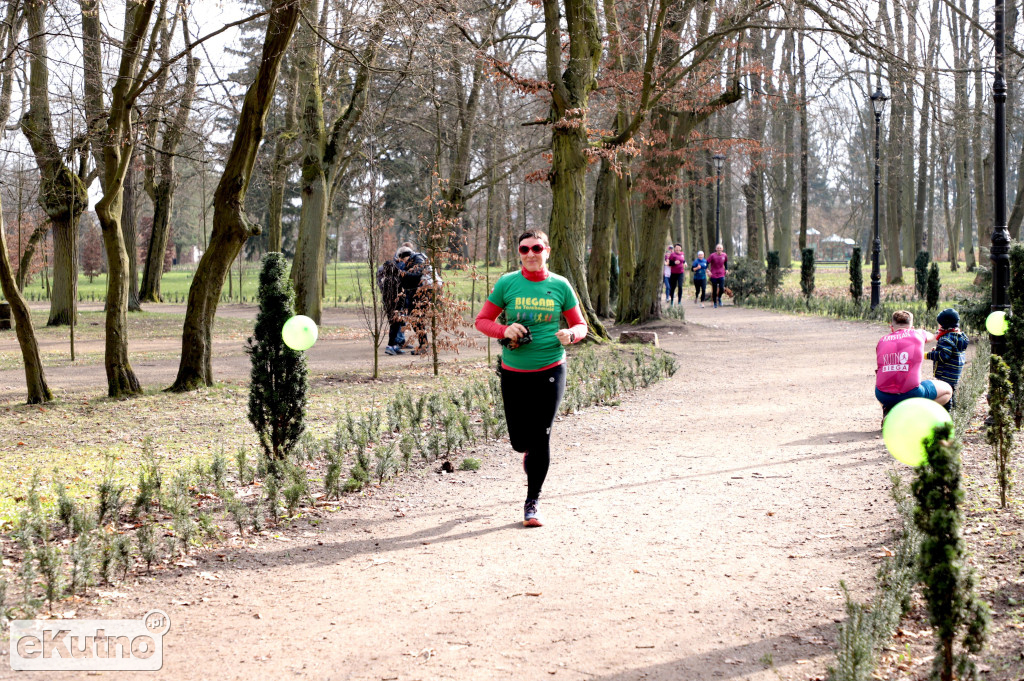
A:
x: 512, y: 344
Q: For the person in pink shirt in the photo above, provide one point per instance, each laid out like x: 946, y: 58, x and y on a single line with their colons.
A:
x: 899, y: 356
x: 718, y: 268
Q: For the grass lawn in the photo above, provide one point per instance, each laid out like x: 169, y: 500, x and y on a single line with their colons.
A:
x: 834, y: 281
x: 344, y: 279
x: 343, y: 284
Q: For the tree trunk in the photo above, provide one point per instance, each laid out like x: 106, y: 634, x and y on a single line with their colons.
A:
x: 279, y: 172
x: 804, y: 132
x: 308, y: 267
x: 30, y: 250
x: 130, y: 232
x: 923, y: 238
x: 230, y: 226
x: 625, y: 231
x: 62, y: 195
x: 983, y: 200
x: 568, y: 227
x: 161, y: 185
x: 35, y: 376
x: 599, y: 265
x: 152, y: 272
x: 571, y: 87
x: 121, y: 379
x: 324, y: 160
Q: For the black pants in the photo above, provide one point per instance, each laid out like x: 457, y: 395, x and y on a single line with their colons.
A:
x: 701, y: 286
x: 675, y: 286
x: 717, y: 286
x: 531, y: 404
x: 394, y: 328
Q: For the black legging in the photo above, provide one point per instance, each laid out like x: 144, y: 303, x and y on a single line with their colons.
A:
x: 675, y: 286
x: 717, y: 286
x: 701, y: 286
x: 531, y: 403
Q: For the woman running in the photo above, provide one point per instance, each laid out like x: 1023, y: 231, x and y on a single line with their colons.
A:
x: 533, y: 361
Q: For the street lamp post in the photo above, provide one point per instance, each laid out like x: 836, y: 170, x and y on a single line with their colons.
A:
x: 878, y: 100
x: 1000, y: 253
x: 719, y: 159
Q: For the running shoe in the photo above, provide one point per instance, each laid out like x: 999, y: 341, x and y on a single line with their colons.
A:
x: 531, y: 518
x: 390, y: 351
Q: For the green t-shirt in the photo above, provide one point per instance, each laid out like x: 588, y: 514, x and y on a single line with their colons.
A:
x: 537, y: 305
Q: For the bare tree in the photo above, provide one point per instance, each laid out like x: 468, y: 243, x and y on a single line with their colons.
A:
x: 231, y: 227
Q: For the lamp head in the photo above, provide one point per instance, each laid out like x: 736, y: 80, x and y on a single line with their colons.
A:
x: 719, y: 159
x: 878, y: 100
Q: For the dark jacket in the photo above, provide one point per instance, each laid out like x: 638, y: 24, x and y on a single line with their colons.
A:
x: 413, y: 274
x: 389, y: 280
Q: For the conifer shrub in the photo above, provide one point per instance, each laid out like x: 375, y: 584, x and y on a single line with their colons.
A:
x: 1014, y: 354
x: 856, y: 276
x: 278, y: 385
x: 807, y: 272
x: 955, y: 612
x: 933, y: 288
x: 921, y: 273
x: 773, y: 274
x: 1000, y: 431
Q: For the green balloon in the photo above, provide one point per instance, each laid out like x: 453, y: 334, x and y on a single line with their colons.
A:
x: 299, y: 332
x: 997, y: 324
x: 907, y: 426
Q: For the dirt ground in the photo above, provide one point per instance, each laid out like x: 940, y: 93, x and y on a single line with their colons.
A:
x: 698, y: 530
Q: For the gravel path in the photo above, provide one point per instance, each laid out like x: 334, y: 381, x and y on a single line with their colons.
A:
x: 698, y: 530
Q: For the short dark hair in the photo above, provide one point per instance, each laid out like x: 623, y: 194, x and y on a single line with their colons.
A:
x: 679, y: 245
x: 535, y: 234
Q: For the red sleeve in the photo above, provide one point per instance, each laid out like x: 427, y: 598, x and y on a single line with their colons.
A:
x: 485, y: 323
x: 577, y: 325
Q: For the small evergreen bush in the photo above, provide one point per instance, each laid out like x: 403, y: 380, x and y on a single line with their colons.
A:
x: 807, y: 272
x: 1000, y: 432
x: 856, y: 276
x: 773, y: 275
x: 921, y: 273
x: 933, y: 287
x: 277, y: 392
x: 954, y: 610
x: 1014, y: 353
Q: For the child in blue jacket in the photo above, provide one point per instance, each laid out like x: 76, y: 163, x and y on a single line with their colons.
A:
x: 948, y: 353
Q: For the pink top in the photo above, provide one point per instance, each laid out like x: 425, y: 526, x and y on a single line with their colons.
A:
x: 899, y: 357
x: 717, y: 263
x: 676, y: 262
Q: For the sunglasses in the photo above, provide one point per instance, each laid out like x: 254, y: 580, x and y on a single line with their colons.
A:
x: 536, y: 248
